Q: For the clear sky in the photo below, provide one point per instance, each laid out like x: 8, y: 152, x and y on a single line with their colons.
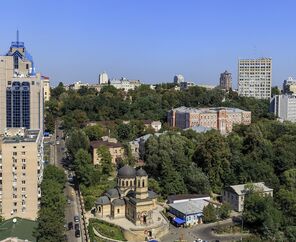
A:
x: 151, y: 40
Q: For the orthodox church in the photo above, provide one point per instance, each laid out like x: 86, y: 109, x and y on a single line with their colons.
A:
x: 130, y: 198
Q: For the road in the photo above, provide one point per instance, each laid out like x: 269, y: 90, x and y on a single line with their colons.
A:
x: 203, y: 231
x: 57, y: 158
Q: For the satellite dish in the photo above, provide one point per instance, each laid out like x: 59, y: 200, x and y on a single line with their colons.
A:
x: 14, y: 220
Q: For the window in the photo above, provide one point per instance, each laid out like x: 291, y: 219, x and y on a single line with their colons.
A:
x: 118, y: 210
x: 14, y: 153
x: 23, y: 152
x: 131, y: 183
x: 23, y: 189
x: 100, y: 209
x: 24, y: 167
x: 126, y: 183
x: 15, y: 204
x: 23, y: 182
x: 143, y: 183
x: 139, y: 183
x: 122, y: 183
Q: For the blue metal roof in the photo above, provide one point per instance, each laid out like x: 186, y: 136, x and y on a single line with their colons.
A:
x: 179, y: 220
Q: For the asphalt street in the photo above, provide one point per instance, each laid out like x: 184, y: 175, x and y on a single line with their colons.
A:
x: 73, y: 206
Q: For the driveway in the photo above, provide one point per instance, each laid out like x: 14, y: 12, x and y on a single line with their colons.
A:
x: 203, y: 231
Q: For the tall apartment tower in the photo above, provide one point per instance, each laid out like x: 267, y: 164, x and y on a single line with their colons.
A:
x: 225, y: 80
x: 178, y: 79
x: 103, y: 78
x: 21, y: 90
x: 21, y: 170
x: 255, y: 78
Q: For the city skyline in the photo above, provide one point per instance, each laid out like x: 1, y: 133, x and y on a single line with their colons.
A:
x: 152, y: 41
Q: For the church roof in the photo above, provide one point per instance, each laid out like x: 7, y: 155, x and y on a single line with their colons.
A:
x: 127, y: 172
x: 102, y: 200
x: 141, y: 172
x: 118, y: 202
x: 112, y: 193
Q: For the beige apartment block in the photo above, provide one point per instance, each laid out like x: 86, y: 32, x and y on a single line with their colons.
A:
x: 21, y: 170
x: 219, y: 118
x: 116, y: 151
x: 255, y: 78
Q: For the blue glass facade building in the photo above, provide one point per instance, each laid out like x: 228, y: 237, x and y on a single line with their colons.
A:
x: 18, y: 105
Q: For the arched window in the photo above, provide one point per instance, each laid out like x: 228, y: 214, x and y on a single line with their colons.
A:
x: 122, y: 183
x: 143, y: 183
x: 139, y: 183
x: 126, y: 183
x: 131, y: 183
x: 100, y: 209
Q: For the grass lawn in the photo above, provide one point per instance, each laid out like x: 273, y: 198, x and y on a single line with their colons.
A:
x: 109, y: 230
x: 22, y: 229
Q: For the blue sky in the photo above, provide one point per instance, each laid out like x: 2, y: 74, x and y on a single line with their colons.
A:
x: 151, y: 40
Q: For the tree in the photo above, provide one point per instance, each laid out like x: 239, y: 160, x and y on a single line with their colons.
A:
x: 94, y: 132
x: 212, y: 156
x: 51, y: 215
x: 83, y: 168
x: 154, y: 185
x: 76, y: 140
x: 224, y: 210
x: 209, y: 213
x: 105, y: 160
x: 261, y: 215
x: 196, y: 181
x: 171, y: 182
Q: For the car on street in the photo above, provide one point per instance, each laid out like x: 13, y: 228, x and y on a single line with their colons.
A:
x: 70, y: 225
x: 76, y: 218
x: 77, y: 233
x: 76, y: 226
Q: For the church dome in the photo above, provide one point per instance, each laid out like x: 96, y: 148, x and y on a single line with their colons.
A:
x: 126, y: 172
x: 141, y: 172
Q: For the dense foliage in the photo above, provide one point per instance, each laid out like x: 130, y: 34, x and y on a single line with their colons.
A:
x: 77, y: 108
x: 51, y: 214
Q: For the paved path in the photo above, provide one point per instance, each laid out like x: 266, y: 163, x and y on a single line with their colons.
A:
x: 203, y: 231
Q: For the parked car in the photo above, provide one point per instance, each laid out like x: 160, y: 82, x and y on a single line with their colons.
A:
x: 70, y: 225
x: 76, y: 218
x: 77, y: 233
x: 76, y: 226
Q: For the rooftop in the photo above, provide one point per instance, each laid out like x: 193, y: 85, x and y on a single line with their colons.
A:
x: 206, y: 110
x: 190, y: 207
x: 243, y: 188
x: 22, y: 229
x: 99, y: 143
x: 17, y: 135
x: 172, y: 198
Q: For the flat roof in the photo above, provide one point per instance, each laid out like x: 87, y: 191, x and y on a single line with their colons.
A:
x: 26, y: 135
x: 22, y: 229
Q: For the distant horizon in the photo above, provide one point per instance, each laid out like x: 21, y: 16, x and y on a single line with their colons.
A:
x: 151, y: 41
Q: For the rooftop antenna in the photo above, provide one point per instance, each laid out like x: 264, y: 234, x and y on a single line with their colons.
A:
x: 17, y: 36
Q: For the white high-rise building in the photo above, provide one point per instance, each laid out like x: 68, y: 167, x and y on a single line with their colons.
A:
x: 255, y: 78
x: 284, y: 107
x: 103, y: 78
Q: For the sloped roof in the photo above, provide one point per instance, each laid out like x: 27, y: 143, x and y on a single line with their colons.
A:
x: 241, y: 188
